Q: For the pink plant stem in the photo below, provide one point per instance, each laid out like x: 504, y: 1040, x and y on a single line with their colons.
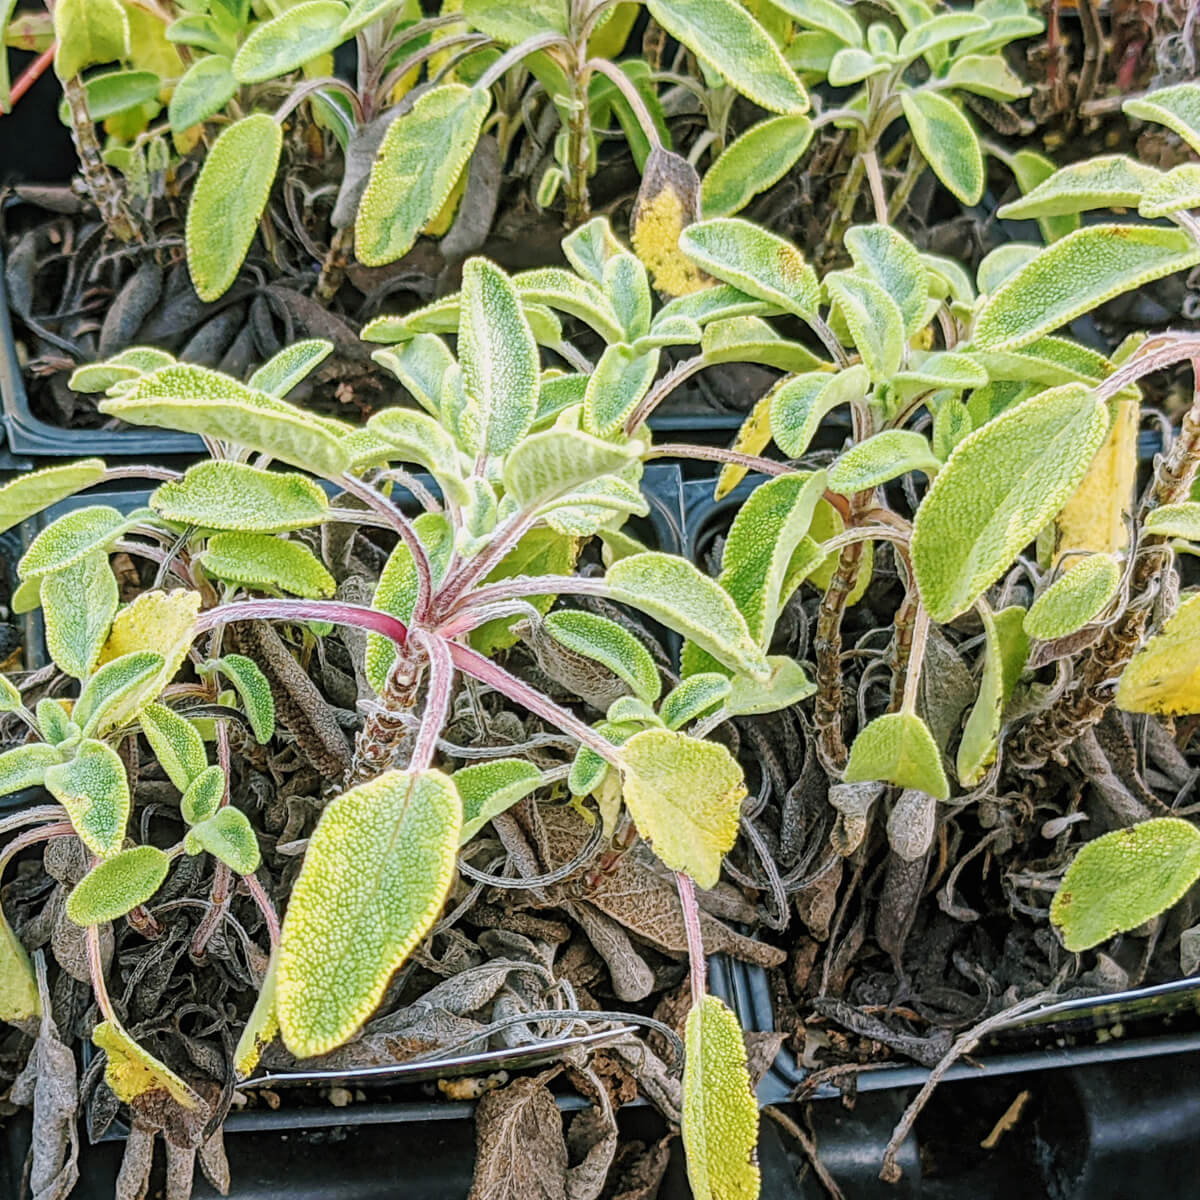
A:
x: 386, y: 507
x: 96, y: 970
x: 540, y: 585
x: 333, y: 611
x: 697, y: 963
x: 31, y: 837
x: 142, y: 471
x: 752, y: 462
x: 437, y: 699
x: 469, y: 662
x: 32, y: 816
x: 265, y: 906
x: 223, y: 756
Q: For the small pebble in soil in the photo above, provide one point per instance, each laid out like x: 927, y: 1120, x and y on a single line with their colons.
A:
x: 473, y: 1086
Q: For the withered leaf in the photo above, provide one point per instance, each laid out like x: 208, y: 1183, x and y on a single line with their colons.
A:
x: 520, y: 1150
x: 645, y: 904
x: 48, y: 1083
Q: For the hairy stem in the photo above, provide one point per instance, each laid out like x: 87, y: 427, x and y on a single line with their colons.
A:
x: 333, y: 269
x: 579, y: 148
x: 334, y: 611
x: 437, y: 700
x: 1084, y: 704
x: 470, y: 662
x: 270, y: 916
x: 101, y: 184
x: 875, y: 179
x: 697, y: 964
x: 96, y: 971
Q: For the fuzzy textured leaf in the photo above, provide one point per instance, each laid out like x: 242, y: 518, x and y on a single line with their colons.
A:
x: 692, y: 699
x: 202, y: 797
x: 801, y: 403
x: 1178, y: 108
x: 1163, y: 677
x: 1108, y: 181
x: 116, y: 687
x: 499, y: 360
x: 898, y: 748
x: 240, y: 498
x: 205, y: 88
x: 723, y: 35
x: 788, y: 685
x: 266, y: 563
x: 1076, y: 274
x: 874, y: 319
x: 196, y: 400
x: 132, y: 1072
x: 34, y: 491
x: 375, y: 875
x: 1178, y: 188
x: 26, y: 766
x: 176, y: 743
x: 18, y: 983
x: 116, y: 885
x: 165, y: 620
x: 293, y: 364
x: 946, y: 139
x: 999, y: 487
x: 720, y: 1113
x: 621, y: 378
x: 608, y: 643
x: 1122, y: 879
x: 1076, y: 599
x: 70, y: 539
x: 752, y: 163
x: 78, y: 606
x: 228, y: 199
x: 489, y: 788
x: 254, y: 692
x: 1007, y: 648
x: 1175, y: 520
x: 764, y: 535
x: 88, y: 32
x: 894, y: 263
x: 887, y: 455
x: 285, y: 43
x: 423, y: 154
x: 229, y: 836
x: 685, y: 798
x: 675, y: 592
x: 92, y: 787
x: 755, y: 261
x: 551, y: 464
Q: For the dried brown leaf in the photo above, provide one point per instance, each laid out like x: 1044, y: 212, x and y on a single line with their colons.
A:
x: 520, y: 1150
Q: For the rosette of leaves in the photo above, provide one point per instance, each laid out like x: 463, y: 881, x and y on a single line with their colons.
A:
x: 519, y: 476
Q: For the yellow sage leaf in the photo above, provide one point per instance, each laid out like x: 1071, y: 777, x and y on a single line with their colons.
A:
x: 720, y: 1115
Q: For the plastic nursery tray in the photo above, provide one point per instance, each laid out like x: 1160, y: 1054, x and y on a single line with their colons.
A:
x: 364, y: 1151
x: 29, y: 434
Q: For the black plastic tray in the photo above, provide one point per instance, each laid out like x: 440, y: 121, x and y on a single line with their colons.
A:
x: 29, y: 434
